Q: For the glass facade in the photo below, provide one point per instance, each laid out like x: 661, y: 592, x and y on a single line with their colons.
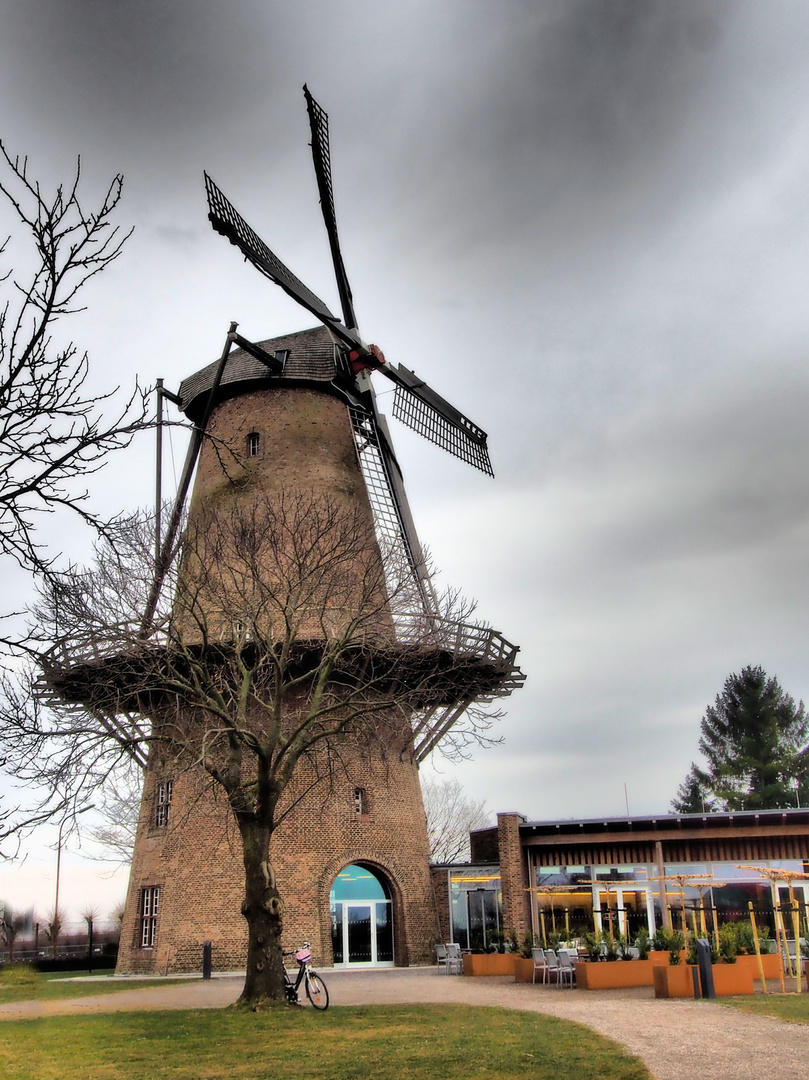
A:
x: 627, y: 897
x: 476, y: 905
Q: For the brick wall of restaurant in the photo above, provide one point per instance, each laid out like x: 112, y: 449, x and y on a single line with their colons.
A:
x: 513, y: 875
x: 483, y: 844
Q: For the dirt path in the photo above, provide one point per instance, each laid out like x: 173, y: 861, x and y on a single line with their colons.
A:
x: 678, y: 1040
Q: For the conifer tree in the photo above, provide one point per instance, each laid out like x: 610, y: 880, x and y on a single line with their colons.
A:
x: 754, y: 741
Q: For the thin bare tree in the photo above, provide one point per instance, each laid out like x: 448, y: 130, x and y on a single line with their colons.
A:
x: 451, y: 814
x: 12, y: 923
x: 276, y: 651
x: 53, y: 431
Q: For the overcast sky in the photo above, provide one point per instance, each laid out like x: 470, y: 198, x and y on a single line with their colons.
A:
x: 583, y: 222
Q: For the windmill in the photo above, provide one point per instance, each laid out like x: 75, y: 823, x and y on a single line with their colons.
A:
x: 415, y: 404
x: 298, y: 412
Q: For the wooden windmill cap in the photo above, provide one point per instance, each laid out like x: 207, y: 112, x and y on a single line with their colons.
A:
x: 310, y: 360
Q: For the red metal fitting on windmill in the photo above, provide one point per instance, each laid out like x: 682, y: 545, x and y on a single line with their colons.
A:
x: 360, y: 361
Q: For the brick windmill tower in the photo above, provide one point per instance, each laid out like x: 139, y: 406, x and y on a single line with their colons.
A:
x: 289, y: 420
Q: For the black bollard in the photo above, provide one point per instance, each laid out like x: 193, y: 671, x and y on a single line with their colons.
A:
x: 207, y: 966
x: 705, y: 969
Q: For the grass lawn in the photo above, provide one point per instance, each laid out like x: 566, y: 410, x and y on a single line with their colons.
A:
x: 793, y: 1007
x: 22, y: 983
x: 426, y: 1042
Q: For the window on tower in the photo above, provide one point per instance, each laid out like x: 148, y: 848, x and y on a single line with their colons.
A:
x: 163, y: 803
x: 360, y: 802
x: 253, y: 444
x: 149, y: 902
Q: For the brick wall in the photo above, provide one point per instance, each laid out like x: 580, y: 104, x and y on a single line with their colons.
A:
x: 513, y: 875
x: 440, y: 876
x: 196, y: 860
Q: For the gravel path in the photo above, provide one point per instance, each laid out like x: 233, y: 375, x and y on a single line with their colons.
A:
x: 678, y: 1040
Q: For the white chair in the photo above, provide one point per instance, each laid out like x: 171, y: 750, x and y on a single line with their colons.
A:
x: 539, y: 964
x: 566, y: 970
x: 551, y: 965
x: 441, y: 957
x: 454, y: 961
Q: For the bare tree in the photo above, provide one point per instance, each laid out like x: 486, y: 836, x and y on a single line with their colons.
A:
x: 451, y: 814
x: 275, y: 654
x: 54, y: 433
x: 118, y: 806
x: 12, y: 923
x: 52, y: 428
x: 55, y: 922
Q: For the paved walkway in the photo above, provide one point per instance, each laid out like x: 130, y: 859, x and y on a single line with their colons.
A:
x: 678, y: 1040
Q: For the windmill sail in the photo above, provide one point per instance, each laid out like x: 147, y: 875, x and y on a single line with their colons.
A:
x: 421, y: 408
x: 392, y: 521
x: 319, y: 123
x: 227, y: 220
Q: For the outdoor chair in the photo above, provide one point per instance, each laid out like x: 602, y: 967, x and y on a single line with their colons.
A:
x: 441, y: 957
x: 454, y: 960
x: 551, y: 965
x: 539, y: 964
x: 566, y: 972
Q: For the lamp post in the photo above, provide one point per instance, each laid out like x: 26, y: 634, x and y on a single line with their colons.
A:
x: 62, y: 824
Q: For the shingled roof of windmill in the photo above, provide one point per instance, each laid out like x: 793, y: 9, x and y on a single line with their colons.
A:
x: 311, y: 358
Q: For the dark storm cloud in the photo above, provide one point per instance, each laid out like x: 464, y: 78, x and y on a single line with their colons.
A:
x: 585, y: 223
x: 136, y: 64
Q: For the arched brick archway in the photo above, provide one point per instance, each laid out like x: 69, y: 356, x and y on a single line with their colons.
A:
x: 388, y: 884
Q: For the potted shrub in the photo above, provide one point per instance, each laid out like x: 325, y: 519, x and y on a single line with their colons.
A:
x: 592, y: 945
x: 524, y: 961
x: 495, y: 961
x: 609, y: 946
x: 674, y: 979
x: 728, y: 943
x: 660, y: 947
x: 630, y: 972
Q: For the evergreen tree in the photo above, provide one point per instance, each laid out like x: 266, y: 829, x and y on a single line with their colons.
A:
x: 754, y: 741
x: 692, y: 796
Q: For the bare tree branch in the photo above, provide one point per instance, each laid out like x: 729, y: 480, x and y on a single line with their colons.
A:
x: 53, y: 431
x: 451, y: 814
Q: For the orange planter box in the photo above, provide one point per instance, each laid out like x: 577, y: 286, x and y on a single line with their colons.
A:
x: 658, y: 958
x: 603, y: 975
x: 770, y: 961
x: 489, y: 963
x: 673, y: 981
x: 524, y: 970
x: 730, y: 979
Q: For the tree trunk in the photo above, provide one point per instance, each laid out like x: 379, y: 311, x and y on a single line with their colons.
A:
x: 262, y: 910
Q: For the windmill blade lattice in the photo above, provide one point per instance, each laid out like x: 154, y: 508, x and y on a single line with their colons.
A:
x: 391, y: 530
x: 428, y: 414
x: 227, y: 221
x: 321, y: 155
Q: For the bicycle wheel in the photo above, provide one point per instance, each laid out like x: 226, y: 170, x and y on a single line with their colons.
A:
x: 316, y: 991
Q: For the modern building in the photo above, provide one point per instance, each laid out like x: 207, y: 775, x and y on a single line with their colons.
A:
x: 628, y: 871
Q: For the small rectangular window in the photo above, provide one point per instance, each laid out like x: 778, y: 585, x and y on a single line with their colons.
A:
x: 164, y: 790
x: 149, y: 902
x: 360, y: 801
x: 253, y: 442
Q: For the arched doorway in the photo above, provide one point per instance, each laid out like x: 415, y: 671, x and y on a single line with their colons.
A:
x: 361, y: 918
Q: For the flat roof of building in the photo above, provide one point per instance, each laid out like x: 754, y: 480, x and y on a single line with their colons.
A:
x: 662, y: 822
